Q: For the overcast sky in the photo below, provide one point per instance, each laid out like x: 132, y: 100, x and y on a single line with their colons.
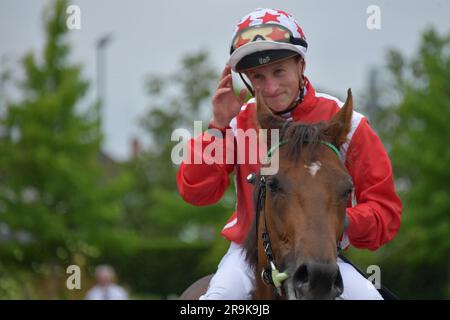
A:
x: 152, y: 36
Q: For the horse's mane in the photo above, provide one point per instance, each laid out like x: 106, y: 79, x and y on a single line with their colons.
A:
x: 298, y: 135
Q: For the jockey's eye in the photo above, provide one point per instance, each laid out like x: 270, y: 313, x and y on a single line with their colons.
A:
x: 255, y: 76
x: 279, y: 71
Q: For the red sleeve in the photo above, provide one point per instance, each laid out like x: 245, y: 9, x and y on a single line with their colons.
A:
x: 203, y: 177
x: 376, y: 218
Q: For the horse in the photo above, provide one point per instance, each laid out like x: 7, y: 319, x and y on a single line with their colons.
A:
x: 300, y: 212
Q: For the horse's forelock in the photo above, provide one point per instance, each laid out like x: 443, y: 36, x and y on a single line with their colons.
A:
x: 298, y: 135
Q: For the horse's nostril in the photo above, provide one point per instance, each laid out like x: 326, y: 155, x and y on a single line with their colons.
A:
x: 315, y: 280
x: 301, y: 276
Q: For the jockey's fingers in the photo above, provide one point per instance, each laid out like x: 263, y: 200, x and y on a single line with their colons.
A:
x: 225, y: 82
x: 226, y: 70
x: 221, y: 91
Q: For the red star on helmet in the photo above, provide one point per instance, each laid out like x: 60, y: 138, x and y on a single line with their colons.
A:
x: 283, y: 12
x: 244, y: 24
x: 299, y: 30
x: 269, y: 17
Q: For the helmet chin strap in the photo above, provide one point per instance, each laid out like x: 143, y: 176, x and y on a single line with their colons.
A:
x: 291, y: 107
x: 249, y: 87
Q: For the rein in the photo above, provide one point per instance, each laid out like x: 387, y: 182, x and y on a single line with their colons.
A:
x: 271, y: 275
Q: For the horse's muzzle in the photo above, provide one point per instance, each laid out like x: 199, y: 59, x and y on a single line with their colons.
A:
x: 314, y: 280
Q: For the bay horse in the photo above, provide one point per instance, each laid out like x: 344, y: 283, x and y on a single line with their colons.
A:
x: 300, y: 211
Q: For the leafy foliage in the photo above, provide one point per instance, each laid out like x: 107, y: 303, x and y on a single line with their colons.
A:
x: 417, y: 135
x: 56, y: 199
x: 154, y: 205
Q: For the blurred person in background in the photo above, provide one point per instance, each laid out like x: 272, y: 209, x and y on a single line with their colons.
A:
x: 106, y: 288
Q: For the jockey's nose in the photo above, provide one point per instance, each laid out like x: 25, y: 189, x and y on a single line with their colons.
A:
x: 315, y: 280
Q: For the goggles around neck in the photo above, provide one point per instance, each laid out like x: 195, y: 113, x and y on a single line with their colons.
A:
x: 268, y: 32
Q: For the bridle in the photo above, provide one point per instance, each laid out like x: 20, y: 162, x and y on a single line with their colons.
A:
x: 271, y: 275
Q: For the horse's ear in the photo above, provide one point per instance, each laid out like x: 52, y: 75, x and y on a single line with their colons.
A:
x: 341, y: 123
x: 265, y: 119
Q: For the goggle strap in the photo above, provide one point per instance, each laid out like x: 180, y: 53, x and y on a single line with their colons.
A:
x: 299, y: 41
x: 292, y: 40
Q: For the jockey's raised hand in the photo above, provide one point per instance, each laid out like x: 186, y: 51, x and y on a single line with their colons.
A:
x: 226, y: 105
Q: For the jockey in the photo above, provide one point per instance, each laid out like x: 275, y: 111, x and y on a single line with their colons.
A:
x: 269, y: 48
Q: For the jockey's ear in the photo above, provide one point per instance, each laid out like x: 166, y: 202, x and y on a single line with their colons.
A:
x: 265, y: 119
x: 341, y: 123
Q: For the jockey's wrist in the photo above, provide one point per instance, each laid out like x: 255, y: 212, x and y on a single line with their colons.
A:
x: 214, y: 124
x: 217, y: 131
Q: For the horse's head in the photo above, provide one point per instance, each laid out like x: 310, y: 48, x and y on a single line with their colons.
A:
x: 303, y: 205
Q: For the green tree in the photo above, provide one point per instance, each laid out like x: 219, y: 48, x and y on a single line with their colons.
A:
x: 177, y: 100
x: 416, y: 132
x: 57, y: 203
x: 153, y: 206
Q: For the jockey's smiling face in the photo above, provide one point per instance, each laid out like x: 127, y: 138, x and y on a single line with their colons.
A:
x: 279, y: 82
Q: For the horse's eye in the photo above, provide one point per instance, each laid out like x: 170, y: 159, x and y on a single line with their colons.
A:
x: 273, y: 185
